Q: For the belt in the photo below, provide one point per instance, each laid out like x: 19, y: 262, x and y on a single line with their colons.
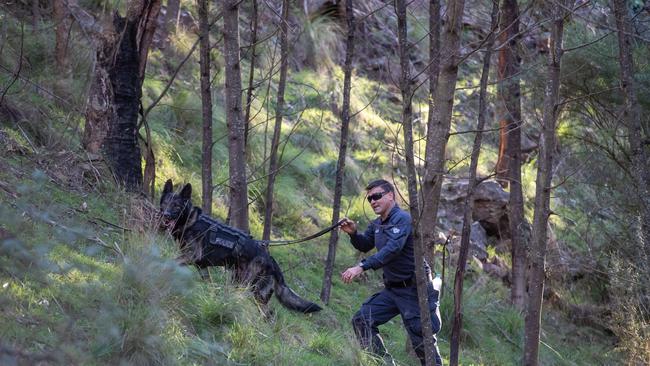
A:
x: 400, y: 284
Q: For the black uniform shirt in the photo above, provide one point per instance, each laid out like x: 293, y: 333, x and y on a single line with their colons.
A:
x: 393, y: 239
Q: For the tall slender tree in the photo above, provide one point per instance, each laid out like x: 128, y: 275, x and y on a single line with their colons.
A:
x: 406, y: 89
x: 638, y: 134
x: 251, y: 73
x: 469, y: 200
x: 343, y: 147
x: 279, y: 111
x: 440, y: 119
x: 206, y: 106
x: 236, y: 128
x: 510, y: 125
x: 537, y: 256
x: 433, y: 73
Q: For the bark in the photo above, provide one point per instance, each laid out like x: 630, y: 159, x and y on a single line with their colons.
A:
x: 434, y: 70
x: 637, y: 133
x: 469, y: 200
x: 36, y: 15
x: 206, y: 106
x: 343, y: 147
x: 440, y: 120
x: 509, y: 163
x: 171, y: 17
x: 406, y: 88
x: 251, y: 74
x: 63, y: 22
x: 236, y: 148
x: 542, y: 211
x: 116, y: 90
x: 279, y: 111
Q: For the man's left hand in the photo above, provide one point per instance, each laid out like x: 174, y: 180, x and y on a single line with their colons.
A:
x: 351, y: 273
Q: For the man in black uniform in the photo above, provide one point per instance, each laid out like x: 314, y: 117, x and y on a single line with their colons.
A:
x: 391, y: 234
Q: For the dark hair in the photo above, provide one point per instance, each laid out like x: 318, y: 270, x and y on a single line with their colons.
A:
x: 384, y: 184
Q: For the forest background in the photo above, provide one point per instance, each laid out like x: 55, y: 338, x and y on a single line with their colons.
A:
x: 278, y: 113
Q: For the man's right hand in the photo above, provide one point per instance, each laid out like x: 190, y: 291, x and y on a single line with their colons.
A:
x: 349, y: 226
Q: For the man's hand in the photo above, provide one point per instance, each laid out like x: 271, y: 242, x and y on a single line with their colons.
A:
x: 349, y: 226
x: 351, y: 273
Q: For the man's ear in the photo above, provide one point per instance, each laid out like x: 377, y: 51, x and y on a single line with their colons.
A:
x: 186, y: 192
x: 168, y: 188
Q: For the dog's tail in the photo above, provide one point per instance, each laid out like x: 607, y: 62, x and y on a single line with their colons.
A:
x: 287, y: 296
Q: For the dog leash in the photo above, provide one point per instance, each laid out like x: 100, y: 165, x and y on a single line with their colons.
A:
x: 275, y: 243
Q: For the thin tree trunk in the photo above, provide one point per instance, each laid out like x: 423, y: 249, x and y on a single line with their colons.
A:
x: 440, y: 120
x: 343, y: 147
x: 206, y: 106
x: 36, y: 15
x: 406, y: 88
x: 434, y: 71
x: 171, y: 17
x: 63, y: 22
x: 469, y: 199
x: 637, y: 134
x: 542, y: 211
x: 251, y: 75
x: 236, y: 127
x: 279, y: 111
x: 509, y: 163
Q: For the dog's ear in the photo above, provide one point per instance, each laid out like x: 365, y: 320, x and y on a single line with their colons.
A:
x: 186, y: 192
x: 168, y: 188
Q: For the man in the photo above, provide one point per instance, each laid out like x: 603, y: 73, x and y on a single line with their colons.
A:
x: 391, y: 234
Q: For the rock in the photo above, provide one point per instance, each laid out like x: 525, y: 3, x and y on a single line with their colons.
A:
x: 478, y: 241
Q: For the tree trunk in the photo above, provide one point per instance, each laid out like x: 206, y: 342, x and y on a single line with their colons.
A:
x: 116, y: 89
x: 279, y: 111
x: 343, y: 147
x: 171, y: 17
x: 236, y: 128
x: 206, y: 106
x: 434, y: 71
x: 509, y: 163
x: 542, y: 211
x: 63, y: 22
x: 251, y: 75
x: 469, y: 199
x: 637, y: 135
x: 440, y: 119
x: 406, y: 88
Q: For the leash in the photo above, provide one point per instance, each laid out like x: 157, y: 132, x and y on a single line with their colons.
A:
x: 275, y: 243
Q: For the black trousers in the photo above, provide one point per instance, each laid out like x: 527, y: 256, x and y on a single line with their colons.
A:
x: 385, y: 305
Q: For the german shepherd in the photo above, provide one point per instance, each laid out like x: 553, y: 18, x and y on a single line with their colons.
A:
x: 206, y: 242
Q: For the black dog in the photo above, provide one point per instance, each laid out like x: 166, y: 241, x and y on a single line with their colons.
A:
x: 205, y: 242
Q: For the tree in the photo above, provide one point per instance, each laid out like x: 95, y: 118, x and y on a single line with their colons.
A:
x: 236, y: 127
x: 510, y: 124
x: 433, y: 72
x: 279, y: 111
x: 537, y: 256
x: 171, y: 16
x: 63, y: 22
x: 115, y: 93
x: 440, y: 120
x: 406, y: 89
x: 469, y: 201
x: 343, y: 147
x: 251, y: 73
x: 637, y: 133
x: 206, y: 106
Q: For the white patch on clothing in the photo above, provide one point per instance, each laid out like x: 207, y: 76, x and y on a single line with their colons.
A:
x: 395, y: 230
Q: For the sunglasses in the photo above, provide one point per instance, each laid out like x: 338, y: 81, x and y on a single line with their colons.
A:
x: 376, y: 196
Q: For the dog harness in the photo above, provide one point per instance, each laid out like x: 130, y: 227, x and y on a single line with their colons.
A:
x: 223, y: 235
